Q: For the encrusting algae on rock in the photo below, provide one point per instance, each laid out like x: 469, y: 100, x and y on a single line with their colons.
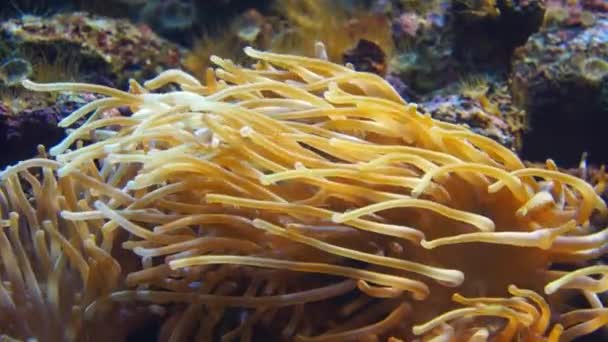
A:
x: 298, y: 199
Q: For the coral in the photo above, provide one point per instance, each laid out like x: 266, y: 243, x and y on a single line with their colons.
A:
x: 298, y: 199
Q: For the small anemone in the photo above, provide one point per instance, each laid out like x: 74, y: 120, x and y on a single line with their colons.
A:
x: 594, y: 69
x: 14, y: 71
x: 475, y: 86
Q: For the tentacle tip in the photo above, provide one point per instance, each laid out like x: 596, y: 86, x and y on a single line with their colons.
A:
x: 416, y: 192
x: 550, y: 289
x: 63, y: 124
x: 131, y: 185
x: 258, y: 223
x: 54, y: 151
x: 215, y: 59
x: 456, y: 278
x: 62, y: 172
x: 427, y: 244
x: 250, y: 51
x: 174, y: 265
x: 27, y: 83
x: 521, y: 212
x: 418, y: 330
x: 420, y: 296
x: 337, y: 218
x: 265, y: 180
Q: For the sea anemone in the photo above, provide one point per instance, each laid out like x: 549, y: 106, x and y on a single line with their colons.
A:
x: 298, y: 199
x: 594, y: 69
x: 51, y: 268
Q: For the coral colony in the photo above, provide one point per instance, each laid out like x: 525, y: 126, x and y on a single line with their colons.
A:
x: 297, y: 199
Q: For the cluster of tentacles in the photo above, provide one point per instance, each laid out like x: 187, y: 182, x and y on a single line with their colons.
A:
x: 297, y: 199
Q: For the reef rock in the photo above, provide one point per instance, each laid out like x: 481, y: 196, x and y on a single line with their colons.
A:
x: 487, y: 32
x: 438, y: 44
x: 424, y: 55
x: 104, y: 50
x: 491, y: 115
x: 68, y: 47
x: 560, y: 77
x: 21, y: 132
